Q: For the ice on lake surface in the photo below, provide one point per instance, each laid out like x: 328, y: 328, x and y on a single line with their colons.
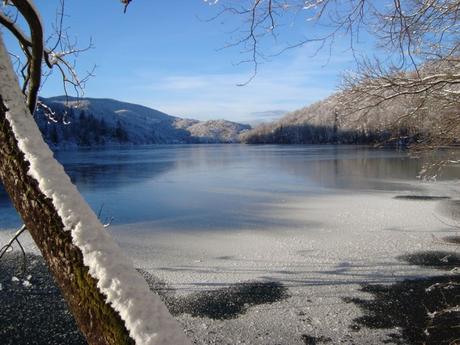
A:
x: 306, y: 224
x: 223, y: 186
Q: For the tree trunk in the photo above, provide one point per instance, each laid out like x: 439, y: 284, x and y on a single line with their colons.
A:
x: 98, y: 320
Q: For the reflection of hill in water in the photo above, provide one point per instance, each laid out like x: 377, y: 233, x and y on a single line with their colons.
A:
x: 359, y: 173
x: 99, y: 173
x: 344, y: 167
x: 349, y: 167
x: 225, y: 186
x: 114, y: 168
x: 109, y: 168
x: 113, y: 175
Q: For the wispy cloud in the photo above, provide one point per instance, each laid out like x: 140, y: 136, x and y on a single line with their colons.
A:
x: 289, y: 85
x: 270, y: 114
x: 259, y: 117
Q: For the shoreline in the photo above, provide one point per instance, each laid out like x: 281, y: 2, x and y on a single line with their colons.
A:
x: 318, y: 277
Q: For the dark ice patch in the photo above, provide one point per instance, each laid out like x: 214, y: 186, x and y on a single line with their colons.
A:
x: 435, y: 259
x: 229, y: 302
x: 405, y: 306
x: 421, y: 197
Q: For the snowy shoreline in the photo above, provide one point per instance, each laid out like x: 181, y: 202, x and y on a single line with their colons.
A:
x: 357, y: 239
x: 321, y: 263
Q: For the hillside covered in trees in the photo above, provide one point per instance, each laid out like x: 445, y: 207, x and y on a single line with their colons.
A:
x: 374, y: 111
x: 72, y: 122
x: 326, y: 122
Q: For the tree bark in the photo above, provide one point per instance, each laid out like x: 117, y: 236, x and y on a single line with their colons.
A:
x: 97, y: 320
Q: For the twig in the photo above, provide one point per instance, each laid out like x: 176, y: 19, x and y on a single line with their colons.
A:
x: 9, y: 245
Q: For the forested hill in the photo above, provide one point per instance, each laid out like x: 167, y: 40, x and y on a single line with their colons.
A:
x: 348, y: 118
x: 327, y: 122
x: 66, y: 121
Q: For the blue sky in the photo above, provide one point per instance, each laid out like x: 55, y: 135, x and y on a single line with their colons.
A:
x: 162, y: 54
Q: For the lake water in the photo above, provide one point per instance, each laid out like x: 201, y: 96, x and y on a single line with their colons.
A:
x: 212, y: 187
x: 318, y: 221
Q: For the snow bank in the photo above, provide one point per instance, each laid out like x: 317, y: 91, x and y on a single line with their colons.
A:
x: 146, y: 317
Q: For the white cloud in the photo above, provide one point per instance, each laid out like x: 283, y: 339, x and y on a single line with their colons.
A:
x: 288, y: 84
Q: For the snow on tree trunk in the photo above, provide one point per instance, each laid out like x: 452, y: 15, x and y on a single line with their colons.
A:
x: 111, y: 303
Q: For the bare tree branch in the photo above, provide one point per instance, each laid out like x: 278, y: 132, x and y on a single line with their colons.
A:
x: 36, y: 57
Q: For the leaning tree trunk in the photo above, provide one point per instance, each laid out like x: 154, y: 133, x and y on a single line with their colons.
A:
x: 96, y: 319
x: 105, y: 306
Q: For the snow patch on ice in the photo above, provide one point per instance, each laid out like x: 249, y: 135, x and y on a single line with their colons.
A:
x: 146, y: 317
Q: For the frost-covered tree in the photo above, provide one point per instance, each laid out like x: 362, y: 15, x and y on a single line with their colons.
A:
x: 111, y: 303
x: 417, y: 63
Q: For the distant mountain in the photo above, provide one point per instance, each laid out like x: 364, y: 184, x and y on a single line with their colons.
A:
x: 67, y: 121
x: 214, y: 131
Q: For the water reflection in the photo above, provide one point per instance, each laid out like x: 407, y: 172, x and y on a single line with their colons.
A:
x: 355, y: 168
x: 225, y: 186
x: 108, y: 169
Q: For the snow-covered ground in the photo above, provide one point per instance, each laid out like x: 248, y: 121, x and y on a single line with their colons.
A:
x: 345, y: 240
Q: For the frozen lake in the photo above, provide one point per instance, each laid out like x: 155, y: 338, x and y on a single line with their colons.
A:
x: 212, y: 187
x: 312, y: 225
